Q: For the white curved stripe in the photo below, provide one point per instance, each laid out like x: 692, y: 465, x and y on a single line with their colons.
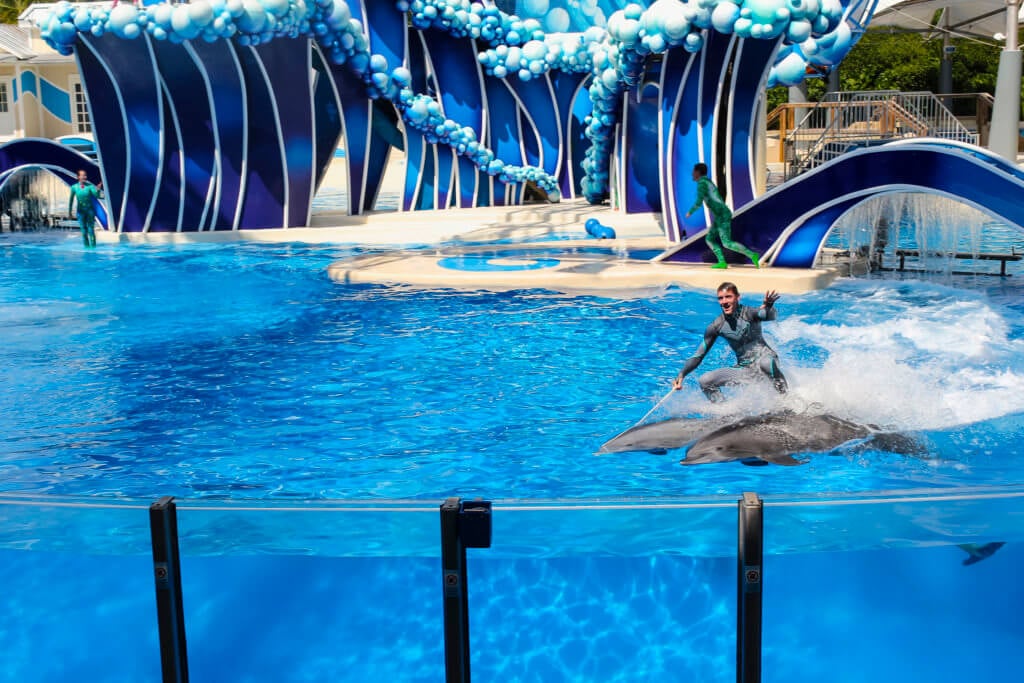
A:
x: 569, y: 140
x: 158, y: 81
x: 418, y: 190
x: 341, y: 116
x: 243, y: 181
x: 313, y: 75
x: 215, y: 176
x: 730, y: 54
x: 753, y: 132
x: 124, y: 127
x: 181, y: 154
x: 558, y: 123
x: 521, y: 187
x: 483, y: 132
x: 670, y: 168
x: 432, y: 76
x: 280, y: 132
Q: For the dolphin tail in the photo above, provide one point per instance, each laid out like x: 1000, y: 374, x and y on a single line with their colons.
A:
x: 977, y: 553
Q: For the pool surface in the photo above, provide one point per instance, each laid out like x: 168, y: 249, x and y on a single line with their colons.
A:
x: 242, y: 371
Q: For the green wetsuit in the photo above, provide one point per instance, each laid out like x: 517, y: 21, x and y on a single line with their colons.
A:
x: 83, y: 194
x: 720, y: 231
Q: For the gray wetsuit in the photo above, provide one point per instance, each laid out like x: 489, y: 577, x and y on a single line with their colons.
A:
x: 754, y: 358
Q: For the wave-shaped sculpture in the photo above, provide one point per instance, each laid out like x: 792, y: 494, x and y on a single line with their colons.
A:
x: 222, y: 114
x: 790, y: 223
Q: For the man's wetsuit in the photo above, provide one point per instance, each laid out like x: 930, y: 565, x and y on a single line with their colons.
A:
x: 83, y: 194
x: 753, y: 356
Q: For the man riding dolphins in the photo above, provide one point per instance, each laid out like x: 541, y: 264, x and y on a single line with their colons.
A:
x: 741, y: 327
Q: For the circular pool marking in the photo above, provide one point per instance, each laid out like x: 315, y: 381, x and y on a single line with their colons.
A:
x: 484, y: 263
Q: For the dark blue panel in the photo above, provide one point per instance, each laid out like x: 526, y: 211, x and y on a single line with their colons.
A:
x: 108, y: 129
x: 686, y: 151
x: 801, y: 248
x: 752, y: 63
x: 219, y: 62
x: 377, y: 156
x: 355, y: 112
x: 168, y: 194
x: 426, y: 197
x: 673, y: 68
x: 416, y: 148
x: 287, y: 61
x: 574, y: 105
x: 192, y: 106
x: 502, y: 129
x: 130, y: 64
x: 716, y: 60
x: 642, y: 183
x: 264, y: 195
x: 386, y: 27
x: 326, y: 116
x: 459, y: 81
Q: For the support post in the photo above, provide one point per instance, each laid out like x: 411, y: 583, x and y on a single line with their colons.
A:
x: 463, y: 525
x: 748, y: 590
x: 1004, y: 132
x: 163, y: 528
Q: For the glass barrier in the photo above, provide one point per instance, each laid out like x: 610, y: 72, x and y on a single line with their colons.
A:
x: 877, y: 589
x: 77, y: 601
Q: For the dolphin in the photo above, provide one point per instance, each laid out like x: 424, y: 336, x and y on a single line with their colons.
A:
x: 776, y: 437
x: 665, y: 435
x: 977, y: 553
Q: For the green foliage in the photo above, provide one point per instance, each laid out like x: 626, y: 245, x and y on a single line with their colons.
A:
x: 883, y: 60
x: 10, y: 10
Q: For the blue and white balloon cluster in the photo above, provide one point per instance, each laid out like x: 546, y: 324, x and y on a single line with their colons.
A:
x: 423, y: 113
x: 465, y: 19
x: 250, y: 22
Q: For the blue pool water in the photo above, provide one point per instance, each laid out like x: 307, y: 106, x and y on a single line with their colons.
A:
x: 242, y: 372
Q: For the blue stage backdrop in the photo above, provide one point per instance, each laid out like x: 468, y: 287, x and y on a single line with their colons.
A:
x: 224, y: 114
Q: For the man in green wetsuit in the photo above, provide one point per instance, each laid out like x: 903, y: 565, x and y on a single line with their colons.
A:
x: 720, y: 232
x: 83, y: 191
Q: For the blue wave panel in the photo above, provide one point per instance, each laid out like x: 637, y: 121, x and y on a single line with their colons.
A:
x: 969, y: 175
x: 386, y: 27
x: 460, y: 82
x: 63, y: 161
x: 541, y: 109
x: 502, y: 130
x: 190, y: 105
x: 415, y: 146
x: 219, y: 62
x: 55, y: 100
x: 355, y: 112
x: 265, y: 179
x: 382, y: 132
x: 573, y: 105
x: 643, y: 189
x: 108, y: 128
x: 685, y: 132
x: 28, y: 83
x: 326, y: 116
x: 427, y: 197
x: 111, y: 66
x: 716, y: 56
x: 752, y: 64
x: 800, y: 250
x: 673, y: 68
x: 168, y: 195
x: 131, y: 66
x: 287, y: 61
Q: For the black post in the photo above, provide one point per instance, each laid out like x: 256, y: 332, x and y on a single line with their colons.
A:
x: 163, y: 528
x: 748, y: 591
x: 463, y: 525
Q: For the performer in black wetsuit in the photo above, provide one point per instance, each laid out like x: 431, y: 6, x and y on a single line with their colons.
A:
x: 741, y: 327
